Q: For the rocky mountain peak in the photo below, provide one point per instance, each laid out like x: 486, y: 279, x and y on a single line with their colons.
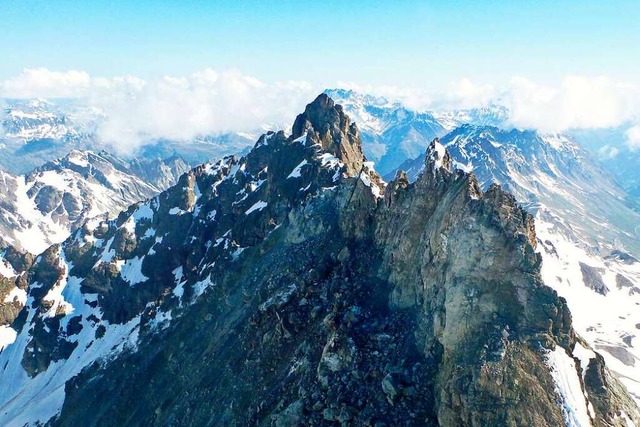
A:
x: 437, y: 157
x: 325, y: 123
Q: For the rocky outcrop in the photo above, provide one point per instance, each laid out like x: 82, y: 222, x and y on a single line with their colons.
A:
x: 585, y: 231
x: 13, y: 283
x: 293, y: 287
x: 326, y: 124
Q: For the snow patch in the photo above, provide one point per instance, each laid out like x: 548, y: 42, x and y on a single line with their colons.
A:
x: 296, y: 173
x: 439, y: 150
x: 7, y: 336
x: 258, y: 206
x: 16, y: 293
x: 568, y: 386
x: 584, y: 355
x: 201, y: 286
x: 301, y: 139
x: 132, y: 271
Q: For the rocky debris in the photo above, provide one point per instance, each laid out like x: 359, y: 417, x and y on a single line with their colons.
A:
x: 292, y: 286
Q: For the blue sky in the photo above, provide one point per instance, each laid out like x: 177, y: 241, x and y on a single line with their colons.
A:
x: 196, y: 67
x: 416, y: 43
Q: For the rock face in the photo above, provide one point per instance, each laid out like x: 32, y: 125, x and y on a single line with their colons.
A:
x: 325, y: 122
x: 13, y: 289
x: 586, y: 232
x: 294, y: 287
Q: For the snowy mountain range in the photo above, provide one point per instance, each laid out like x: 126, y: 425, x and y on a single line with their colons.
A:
x: 104, y: 293
x: 294, y: 286
x: 36, y: 131
x: 392, y: 133
x: 46, y: 205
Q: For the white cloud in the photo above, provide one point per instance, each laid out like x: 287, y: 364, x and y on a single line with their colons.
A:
x: 210, y: 102
x: 177, y: 108
x: 578, y: 102
x: 633, y: 138
x: 465, y: 94
x: 43, y: 83
x: 460, y: 94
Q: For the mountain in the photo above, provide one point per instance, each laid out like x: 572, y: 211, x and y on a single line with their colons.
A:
x: 587, y: 233
x: 293, y: 286
x: 35, y: 131
x: 46, y: 205
x: 392, y: 133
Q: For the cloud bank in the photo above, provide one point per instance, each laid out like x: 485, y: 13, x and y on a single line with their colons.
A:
x: 578, y: 102
x: 575, y: 102
x: 211, y: 102
x: 461, y: 94
x: 177, y: 108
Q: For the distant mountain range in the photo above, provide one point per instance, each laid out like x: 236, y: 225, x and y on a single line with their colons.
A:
x: 392, y: 133
x: 46, y: 205
x: 33, y: 132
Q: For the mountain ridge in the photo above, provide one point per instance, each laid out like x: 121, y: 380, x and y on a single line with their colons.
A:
x: 293, y: 284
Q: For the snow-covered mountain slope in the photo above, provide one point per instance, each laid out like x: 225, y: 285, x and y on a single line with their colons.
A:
x: 392, y: 133
x: 35, y: 131
x: 292, y: 286
x: 37, y: 119
x: 46, y: 205
x: 587, y: 233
